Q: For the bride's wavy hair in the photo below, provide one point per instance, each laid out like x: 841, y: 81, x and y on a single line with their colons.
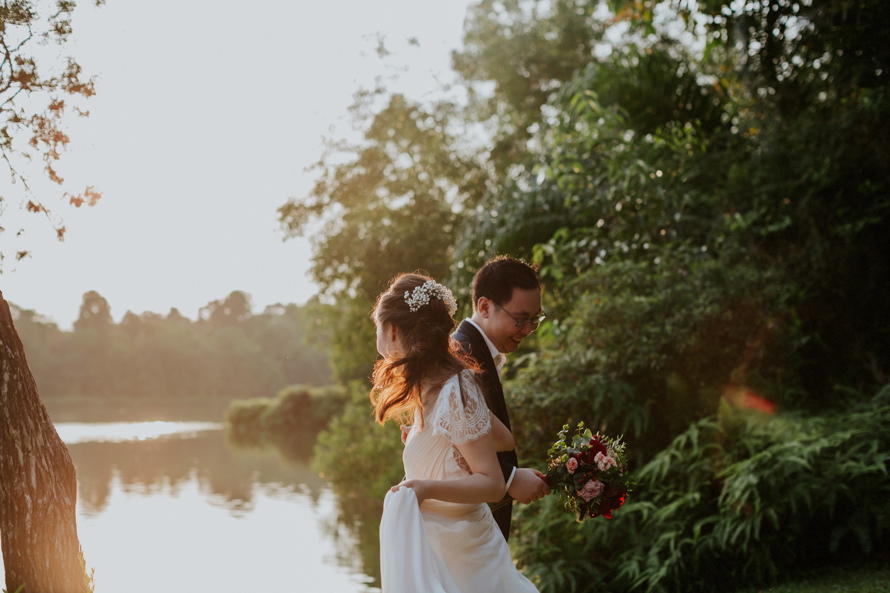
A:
x: 425, y: 348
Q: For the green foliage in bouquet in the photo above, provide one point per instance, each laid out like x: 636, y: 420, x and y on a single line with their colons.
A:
x: 742, y: 497
x: 589, y: 472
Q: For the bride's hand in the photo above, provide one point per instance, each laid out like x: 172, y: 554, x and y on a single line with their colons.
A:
x: 420, y: 488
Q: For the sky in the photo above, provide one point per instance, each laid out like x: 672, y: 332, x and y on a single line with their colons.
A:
x: 206, y: 116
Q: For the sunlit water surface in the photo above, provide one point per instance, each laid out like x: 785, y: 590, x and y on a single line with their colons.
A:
x: 72, y: 433
x: 162, y: 508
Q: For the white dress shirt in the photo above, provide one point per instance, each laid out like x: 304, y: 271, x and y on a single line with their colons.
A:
x: 499, y: 357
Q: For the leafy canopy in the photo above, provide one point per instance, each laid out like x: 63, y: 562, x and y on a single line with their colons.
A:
x: 36, y: 97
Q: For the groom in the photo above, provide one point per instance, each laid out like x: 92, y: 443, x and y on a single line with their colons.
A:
x: 506, y: 308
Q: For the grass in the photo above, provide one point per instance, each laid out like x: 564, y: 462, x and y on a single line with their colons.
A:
x: 871, y: 578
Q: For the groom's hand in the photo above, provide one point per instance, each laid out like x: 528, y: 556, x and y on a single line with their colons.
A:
x: 405, y: 430
x: 528, y: 485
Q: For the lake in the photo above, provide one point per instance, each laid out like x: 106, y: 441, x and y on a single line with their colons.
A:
x: 171, y: 506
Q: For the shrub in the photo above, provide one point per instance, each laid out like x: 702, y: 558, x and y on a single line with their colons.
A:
x: 290, y: 422
x: 738, y: 498
x: 360, y: 458
x: 649, y: 348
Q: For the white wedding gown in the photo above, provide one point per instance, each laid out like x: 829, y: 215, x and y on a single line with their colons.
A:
x: 444, y: 547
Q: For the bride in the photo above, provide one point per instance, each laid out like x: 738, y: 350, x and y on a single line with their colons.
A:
x: 437, y: 534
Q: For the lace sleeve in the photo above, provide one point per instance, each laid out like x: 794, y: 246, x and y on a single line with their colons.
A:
x: 461, y: 418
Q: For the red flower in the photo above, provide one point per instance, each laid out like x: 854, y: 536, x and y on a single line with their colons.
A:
x: 596, y: 446
x: 612, y: 500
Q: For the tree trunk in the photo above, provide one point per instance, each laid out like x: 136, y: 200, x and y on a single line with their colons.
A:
x: 38, y: 486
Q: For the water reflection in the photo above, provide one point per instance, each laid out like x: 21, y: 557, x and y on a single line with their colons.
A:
x: 176, y: 497
x: 149, y: 465
x: 355, y: 530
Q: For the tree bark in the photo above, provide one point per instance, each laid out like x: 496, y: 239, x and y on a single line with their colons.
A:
x: 38, y: 485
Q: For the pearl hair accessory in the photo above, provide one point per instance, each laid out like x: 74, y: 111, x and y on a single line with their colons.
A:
x: 420, y: 296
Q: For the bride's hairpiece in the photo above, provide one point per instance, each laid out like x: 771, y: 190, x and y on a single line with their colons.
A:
x: 420, y: 296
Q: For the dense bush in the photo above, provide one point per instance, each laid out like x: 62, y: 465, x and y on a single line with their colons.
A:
x: 650, y: 348
x: 360, y: 457
x: 740, y: 497
x: 289, y: 422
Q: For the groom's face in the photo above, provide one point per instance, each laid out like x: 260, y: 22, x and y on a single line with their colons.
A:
x: 500, y: 321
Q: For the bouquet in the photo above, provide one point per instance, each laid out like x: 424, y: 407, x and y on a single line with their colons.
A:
x: 589, y: 472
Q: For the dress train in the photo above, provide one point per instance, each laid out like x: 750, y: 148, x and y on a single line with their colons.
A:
x: 407, y: 561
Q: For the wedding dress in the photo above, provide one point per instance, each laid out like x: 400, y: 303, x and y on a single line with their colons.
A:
x: 445, y: 547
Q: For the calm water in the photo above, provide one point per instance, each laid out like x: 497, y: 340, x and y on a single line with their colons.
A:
x: 170, y: 506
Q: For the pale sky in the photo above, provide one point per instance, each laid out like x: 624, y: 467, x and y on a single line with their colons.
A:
x: 207, y: 114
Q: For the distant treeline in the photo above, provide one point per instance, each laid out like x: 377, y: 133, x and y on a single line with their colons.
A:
x: 227, y: 353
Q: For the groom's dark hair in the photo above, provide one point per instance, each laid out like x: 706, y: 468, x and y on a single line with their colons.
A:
x: 497, y: 279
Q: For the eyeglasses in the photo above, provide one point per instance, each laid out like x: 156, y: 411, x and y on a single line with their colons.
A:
x: 535, y: 321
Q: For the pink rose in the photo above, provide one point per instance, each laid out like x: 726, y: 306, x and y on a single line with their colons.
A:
x: 591, y: 490
x: 572, y: 465
x: 604, y: 462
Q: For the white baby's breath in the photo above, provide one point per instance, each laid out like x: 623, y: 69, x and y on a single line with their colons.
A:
x: 420, y: 296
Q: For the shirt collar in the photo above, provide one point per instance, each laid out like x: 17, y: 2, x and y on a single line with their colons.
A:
x: 499, y: 357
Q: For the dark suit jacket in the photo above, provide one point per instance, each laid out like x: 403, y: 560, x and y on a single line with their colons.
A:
x: 473, y: 343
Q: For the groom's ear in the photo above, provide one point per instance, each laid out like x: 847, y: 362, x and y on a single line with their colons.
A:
x: 483, y: 307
